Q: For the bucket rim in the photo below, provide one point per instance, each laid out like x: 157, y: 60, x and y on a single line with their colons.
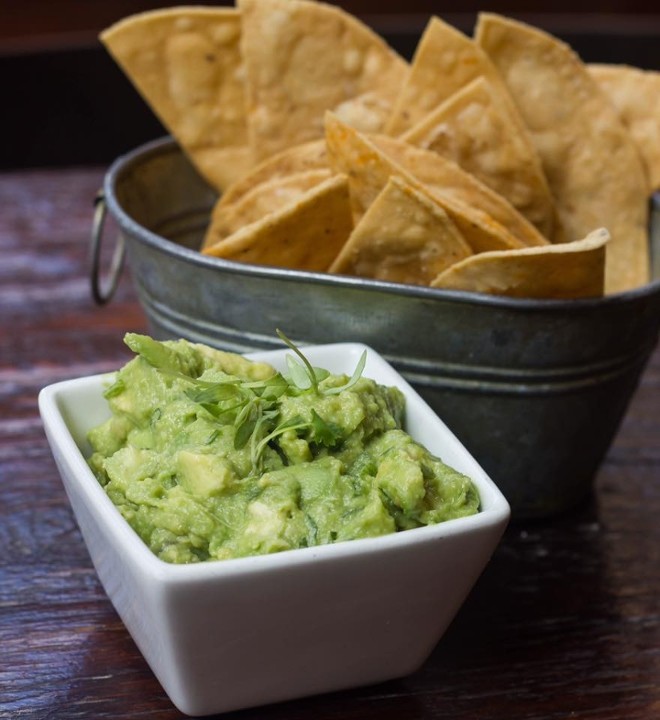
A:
x: 165, y: 145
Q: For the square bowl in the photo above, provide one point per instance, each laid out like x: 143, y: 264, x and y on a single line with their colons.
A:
x: 229, y: 634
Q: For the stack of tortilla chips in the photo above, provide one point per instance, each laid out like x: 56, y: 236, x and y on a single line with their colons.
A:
x: 497, y: 163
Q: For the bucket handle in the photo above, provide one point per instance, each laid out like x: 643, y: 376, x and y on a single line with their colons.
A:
x: 103, y: 292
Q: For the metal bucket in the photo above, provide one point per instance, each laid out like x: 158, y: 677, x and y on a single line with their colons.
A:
x: 535, y: 389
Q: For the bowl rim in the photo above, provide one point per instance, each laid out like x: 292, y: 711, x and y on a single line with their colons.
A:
x: 168, y: 145
x: 497, y: 512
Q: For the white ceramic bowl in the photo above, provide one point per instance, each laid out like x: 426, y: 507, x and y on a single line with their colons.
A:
x: 231, y: 634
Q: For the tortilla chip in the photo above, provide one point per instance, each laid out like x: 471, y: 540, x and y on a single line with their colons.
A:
x: 566, y: 271
x: 474, y: 128
x: 369, y: 168
x: 299, y: 158
x: 445, y: 61
x: 265, y: 198
x: 445, y: 178
x: 636, y: 95
x: 305, y: 235
x: 303, y: 58
x: 591, y: 163
x: 403, y: 237
x: 186, y: 64
x: 367, y: 112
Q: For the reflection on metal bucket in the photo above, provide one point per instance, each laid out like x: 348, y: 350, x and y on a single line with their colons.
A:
x: 535, y: 389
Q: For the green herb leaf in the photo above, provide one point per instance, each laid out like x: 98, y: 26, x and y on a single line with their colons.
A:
x: 313, y: 383
x: 298, y: 374
x: 325, y: 433
x: 223, y: 414
x: 213, y: 392
x: 246, y: 422
x: 320, y: 373
x: 294, y: 423
x: 357, y: 374
x: 274, y: 387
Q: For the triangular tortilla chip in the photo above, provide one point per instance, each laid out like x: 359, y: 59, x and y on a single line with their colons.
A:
x: 445, y: 178
x: 474, y: 128
x: 445, y: 60
x: 265, y: 198
x: 369, y: 168
x: 565, y: 271
x: 367, y: 112
x: 305, y: 235
x: 299, y: 158
x: 186, y: 64
x: 403, y: 237
x: 636, y: 95
x: 303, y: 58
x: 591, y: 163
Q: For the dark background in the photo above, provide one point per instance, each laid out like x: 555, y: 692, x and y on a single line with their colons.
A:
x: 66, y: 103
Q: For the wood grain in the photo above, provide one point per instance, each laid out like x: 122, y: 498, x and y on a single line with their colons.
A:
x: 564, y: 622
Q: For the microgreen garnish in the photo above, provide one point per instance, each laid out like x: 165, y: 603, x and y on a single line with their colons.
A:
x: 324, y: 432
x: 357, y: 374
x: 295, y: 423
x: 306, y: 377
x: 302, y: 376
x: 251, y: 405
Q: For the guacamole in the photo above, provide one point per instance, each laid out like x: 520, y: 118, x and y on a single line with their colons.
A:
x: 211, y: 456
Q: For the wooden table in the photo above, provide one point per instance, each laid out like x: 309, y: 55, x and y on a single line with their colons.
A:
x: 565, y: 621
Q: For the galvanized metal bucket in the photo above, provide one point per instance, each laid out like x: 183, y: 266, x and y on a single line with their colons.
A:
x: 535, y: 389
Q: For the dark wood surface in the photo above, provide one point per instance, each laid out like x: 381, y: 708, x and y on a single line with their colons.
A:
x: 565, y: 621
